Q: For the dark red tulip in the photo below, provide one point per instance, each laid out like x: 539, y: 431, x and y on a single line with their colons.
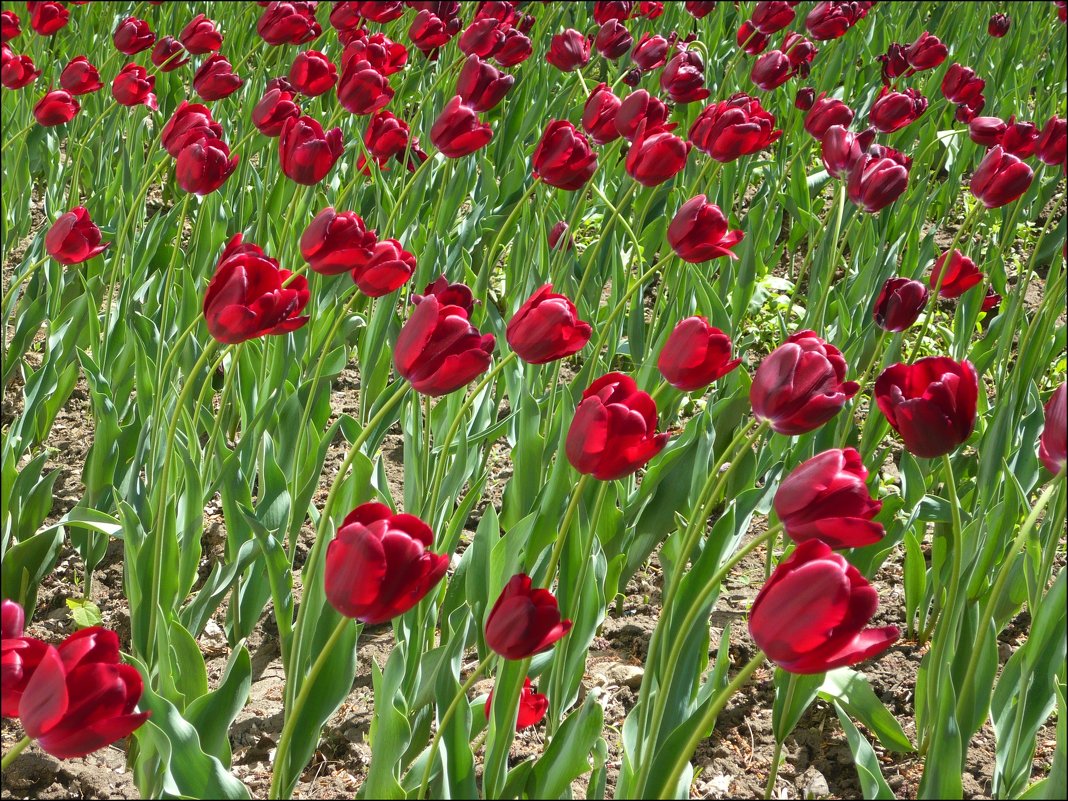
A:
x: 613, y: 432
x: 305, y: 152
x: 752, y: 41
x: 457, y: 131
x: 699, y: 232
x: 895, y: 63
x: 827, y: 499
x: 900, y: 303
x: 482, y: 37
x: 80, y: 77
x: 10, y: 26
x: 805, y: 98
x: 379, y: 565
x: 448, y: 294
x: 800, y: 51
x: 683, y: 77
x: 56, y: 108
x: 564, y: 157
x: 617, y: 10
x: 481, y: 85
x: 992, y: 302
x: 569, y: 51
x: 133, y: 87
x: 74, y: 238
x: 986, y: 131
x: 385, y: 55
x: 772, y: 17
x: 875, y: 183
x: 381, y: 11
x: 931, y: 403
x: 883, y: 152
x: 514, y: 49
x: 132, y: 36
x: 167, y: 54
x: 699, y: 9
x: 387, y: 137
x: 204, y: 165
x: 841, y: 150
x: 1062, y: 9
x: 651, y: 52
x: 363, y: 89
x: 637, y: 107
x: 800, y: 385
x: 215, y: 79
x: 288, y: 23
x: 281, y: 83
x: 312, y: 73
x: 200, y: 36
x: 524, y: 621
x: 560, y: 238
x: 695, y: 354
x: 613, y: 40
x: 546, y: 328
x: 389, y: 268
x: 810, y: 616
x: 825, y: 112
x: 1019, y: 138
x: 190, y: 123
x: 503, y: 11
x: 892, y: 111
x: 334, y: 243
x: 532, y: 707
x: 47, y: 18
x: 1053, y: 442
x: 960, y: 275
x: 81, y: 698
x: 246, y: 298
x: 271, y: 113
x: 999, y: 25
x: 656, y: 156
x: 771, y: 70
x: 1000, y: 178
x: 429, y: 32
x: 18, y: 71
x: 345, y: 15
x: 439, y: 351
x: 831, y: 20
x: 1051, y: 145
x: 599, y: 115
x: 965, y: 114
x: 926, y: 53
x: 734, y: 128
x: 961, y: 85
x: 19, y: 658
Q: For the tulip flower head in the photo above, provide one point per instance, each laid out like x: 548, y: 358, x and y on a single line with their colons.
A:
x: 1053, y: 442
x: 190, y: 123
x: 74, y: 238
x: 457, y: 132
x: 167, y: 54
x: 564, y: 157
x: 569, y: 51
x: 1000, y: 178
x: 524, y: 621
x: 613, y: 40
x: 481, y: 85
x: 80, y: 77
x: 532, y: 706
x: 931, y: 404
x: 900, y: 303
x: 204, y: 165
x: 57, y: 107
x: 699, y: 232
x: 132, y: 36
x: 306, y: 152
x: 695, y: 354
x: 961, y: 274
x: 656, y: 156
x: 733, y: 128
x: 876, y: 182
x: 19, y: 658
x: 388, y: 269
x: 439, y: 350
x: 547, y: 328
x: 312, y: 73
x: 200, y: 36
x: 334, y: 243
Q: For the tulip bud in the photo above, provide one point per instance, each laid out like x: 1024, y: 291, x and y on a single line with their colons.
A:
x: 80, y: 77
x: 132, y: 36
x: 334, y: 243
x: 312, y: 73
x: 991, y: 303
x: 216, y: 79
x: 1053, y: 442
x: 200, y: 36
x: 926, y: 53
x: 998, y: 25
x: 439, y: 351
x: 695, y: 354
x: 805, y: 98
x: 599, y: 114
x: 56, y: 108
x: 481, y: 85
x: 524, y: 621
x: 306, y: 152
x: 960, y: 275
x: 288, y: 23
x: 563, y: 157
x: 892, y: 111
x: 569, y: 51
x: 613, y: 39
x: 931, y: 404
x: 457, y: 131
x: 1000, y: 178
x: 734, y: 128
x: 900, y: 302
x: 698, y: 232
x: 655, y: 156
x: 637, y: 107
x: 546, y: 328
x: 560, y: 238
x: 204, y: 165
x: 190, y: 123
x: 875, y: 183
x: 167, y: 54
x: 532, y: 707
x: 683, y: 77
x: 74, y: 238
x: 271, y: 113
x: 825, y: 112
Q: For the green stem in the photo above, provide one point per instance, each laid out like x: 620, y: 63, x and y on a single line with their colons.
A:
x: 593, y: 250
x: 565, y: 526
x: 807, y: 264
x: 491, y: 254
x: 224, y: 398
x: 20, y: 280
x: 16, y: 749
x: 773, y: 772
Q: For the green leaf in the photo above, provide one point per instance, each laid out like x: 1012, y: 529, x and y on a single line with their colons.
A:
x: 568, y: 755
x: 850, y: 690
x: 872, y: 783
x: 84, y: 613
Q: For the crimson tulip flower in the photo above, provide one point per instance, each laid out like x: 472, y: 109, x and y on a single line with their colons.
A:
x: 363, y: 89
x: 564, y: 157
x: 305, y: 152
x: 560, y: 238
x: 841, y: 150
x: 569, y: 51
x: 961, y: 85
x: 200, y: 36
x: 931, y: 403
x: 655, y: 156
x: 801, y: 385
x: 734, y: 128
x: 825, y: 112
x: 986, y: 131
x: 613, y: 40
x: 805, y: 98
x: 599, y: 115
x: 699, y: 232
x: 312, y: 73
x: 204, y: 165
x: 695, y: 354
x: 547, y: 327
x: 167, y: 54
x: 381, y: 52
x: 998, y: 25
x: 637, y: 107
x: 288, y: 23
x: 826, y: 498
x: 613, y: 432
x: 46, y: 18
x: 56, y: 108
x: 216, y: 79
x: 683, y: 77
x: 752, y: 41
x: 334, y: 243
x: 831, y: 20
x: 271, y: 113
x: 10, y: 27
x: 448, y: 294
x: 651, y: 52
x: 961, y: 274
x: 1000, y: 178
x: 810, y: 615
x: 926, y: 53
x: 17, y: 71
x: 457, y: 132
x: 132, y: 36
x: 875, y: 183
x: 381, y: 11
x: 772, y: 17
x: 19, y: 658
x: 482, y: 37
x: 389, y: 268
x: 514, y: 49
x: 1051, y: 146
x: 699, y: 9
x: 771, y: 70
x: 387, y: 137
x: 190, y: 123
x: 481, y: 85
x: 532, y: 706
x: 800, y: 51
x: 379, y: 565
x: 617, y: 10
x: 133, y: 87
x: 900, y: 303
x: 439, y: 351
x: 345, y: 16
x: 991, y: 303
x: 1019, y: 138
x: 1053, y: 442
x: 80, y: 77
x: 429, y: 32
x: 524, y: 621
x: 74, y: 238
x: 1062, y: 9
x: 892, y: 111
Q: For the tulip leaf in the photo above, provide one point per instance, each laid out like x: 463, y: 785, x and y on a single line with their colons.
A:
x: 872, y: 783
x: 213, y: 713
x: 851, y: 692
x: 794, y: 693
x: 569, y: 752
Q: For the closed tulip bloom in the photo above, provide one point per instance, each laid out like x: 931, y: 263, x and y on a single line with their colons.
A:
x: 560, y: 238
x: 80, y: 77
x: 752, y: 41
x: 810, y: 615
x: 190, y: 123
x: 875, y: 183
x: 363, y: 89
x: 514, y: 49
x: 613, y: 432
x: 287, y: 23
x: 656, y: 156
x: 564, y: 157
x: 1019, y: 138
x: 56, y: 108
x: 271, y: 113
x: 305, y: 152
x: 1051, y: 145
x: 637, y: 107
x: 683, y: 77
x: 204, y: 165
x: 547, y: 328
x: 998, y: 25
x: 841, y: 150
x: 381, y: 11
x: 892, y: 111
x: 532, y: 707
x: 734, y: 128
x: 132, y: 36
x: 246, y: 298
x: 312, y: 73
x: 699, y: 9
x: 900, y: 302
x: 524, y: 621
x: 800, y: 51
x: 569, y: 51
x: 926, y: 53
x: 695, y: 354
x: 772, y: 17
x: 345, y: 15
x: 699, y: 232
x: 200, y: 36
x: 482, y: 37
x: 167, y: 54
x: 827, y: 499
x: 388, y: 269
x: 448, y: 294
x: 651, y: 52
x: 613, y: 40
x: 9, y: 26
x: 17, y: 71
x: 801, y: 385
x: 960, y: 275
x: 457, y: 131
x: 931, y: 404
x: 771, y: 70
x: 1053, y: 442
x: 379, y: 565
x: 334, y: 243
x: 19, y: 658
x: 387, y: 137
x: 805, y: 98
x: 599, y: 115
x: 216, y: 79
x: 439, y: 350
x: 385, y: 55
x: 961, y: 85
x: 133, y: 87
x: 74, y: 238
x: 825, y: 112
x: 47, y: 18
x: 481, y: 85
x: 612, y: 10
x: 831, y: 20
x: 428, y: 32
x: 1000, y: 178
x: 986, y: 131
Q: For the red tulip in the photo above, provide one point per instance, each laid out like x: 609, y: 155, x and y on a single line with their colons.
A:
x: 345, y: 15
x: 9, y: 26
x: 246, y: 298
x: 190, y: 123
x: 387, y: 137
x: 482, y: 37
x: 655, y: 156
x: 960, y: 276
x: 47, y: 18
x: 637, y: 107
x: 986, y: 131
x: 429, y: 32
x: 825, y: 112
x: 532, y: 707
x: 1053, y: 442
x: 931, y: 403
x: 133, y: 87
x: 379, y: 565
x: 167, y: 54
x: 1062, y: 9
x: 1000, y: 178
x: 312, y: 73
x: 699, y: 9
x: 805, y: 98
x: 683, y: 77
x: 1019, y: 138
x: 56, y: 108
x: 271, y: 113
x: 895, y: 63
x: 481, y: 85
x: 998, y: 25
x: 388, y: 269
x: 752, y: 41
x: 200, y: 36
x: 801, y: 385
x: 381, y: 52
x: 439, y: 351
x: 381, y: 11
x: 651, y: 52
x: 900, y: 302
x: 305, y: 152
x: 524, y: 621
x: 771, y: 70
x: 800, y: 51
x: 569, y: 51
x: 19, y: 658
x: 363, y: 89
x: 457, y: 131
x: 875, y: 183
x: 204, y: 165
x: 810, y: 616
x: 515, y: 49
x: 563, y: 157
x: 961, y: 85
x: 831, y: 20
x: 699, y: 232
x: 841, y: 150
x: 288, y: 23
x: 695, y: 354
x: 772, y: 17
x: 215, y: 79
x: 546, y: 328
x: 616, y: 10
x: 613, y: 432
x: 17, y: 71
x: 599, y: 115
x: 560, y: 238
x: 80, y: 77
x: 132, y: 36
x: 734, y: 128
x: 613, y: 39
x: 448, y: 294
x: 892, y: 111
x: 334, y: 243
x: 926, y: 53
x: 1051, y: 145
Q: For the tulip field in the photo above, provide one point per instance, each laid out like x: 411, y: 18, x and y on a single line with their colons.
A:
x: 524, y: 400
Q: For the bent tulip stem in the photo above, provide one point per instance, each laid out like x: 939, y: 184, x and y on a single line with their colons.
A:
x: 16, y: 749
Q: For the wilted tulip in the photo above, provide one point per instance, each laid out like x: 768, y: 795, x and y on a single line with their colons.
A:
x: 204, y: 165
x: 334, y: 243
x: 532, y: 707
x: 17, y: 71
x: 524, y: 621
x: 563, y: 157
x: 1051, y: 145
x: 200, y: 36
x: 56, y: 108
x: 215, y: 79
x: 1000, y: 178
x: 133, y: 87
x: 683, y: 77
x: 900, y: 303
x: 312, y: 73
x: 734, y: 128
x: 875, y: 183
x: 825, y: 112
x: 305, y: 152
x: 457, y: 131
x: 892, y: 111
x: 569, y: 51
x: 695, y: 354
x: 926, y: 53
x: 190, y: 123
x: 167, y: 54
x: 637, y: 107
x: 439, y: 350
x: 655, y: 156
x: 1053, y: 442
x: 651, y: 52
x: 546, y: 328
x: 389, y: 268
x: 74, y: 238
x: 80, y: 77
x: 699, y: 232
x: 613, y: 39
x: 998, y: 25
x: 771, y: 70
x: 132, y: 36
x: 481, y: 85
x: 961, y: 85
x: 271, y: 113
x: 288, y: 23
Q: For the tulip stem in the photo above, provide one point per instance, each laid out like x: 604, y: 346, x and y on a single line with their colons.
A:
x: 447, y: 718
x: 491, y: 254
x: 807, y: 264
x: 20, y: 280
x: 16, y: 749
x: 593, y: 250
x: 558, y: 546
x: 282, y: 754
